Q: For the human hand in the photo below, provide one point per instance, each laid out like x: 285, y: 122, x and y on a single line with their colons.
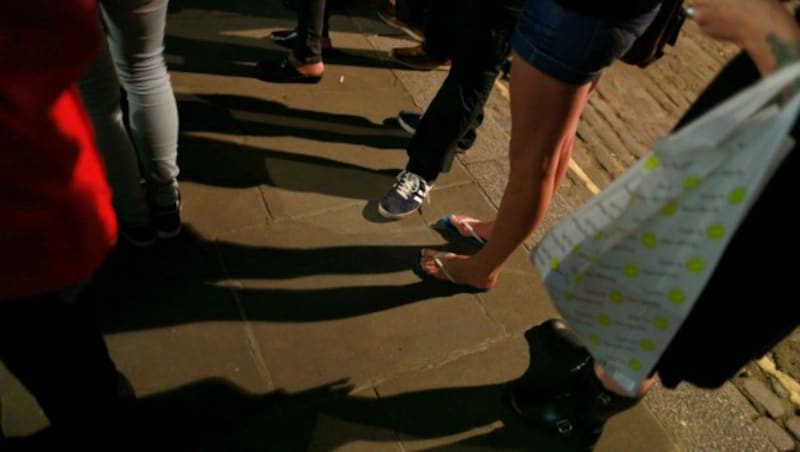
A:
x: 742, y: 21
x: 763, y: 28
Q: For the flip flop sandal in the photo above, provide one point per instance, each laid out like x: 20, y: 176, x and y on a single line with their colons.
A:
x: 282, y: 71
x: 437, y: 259
x: 473, y: 239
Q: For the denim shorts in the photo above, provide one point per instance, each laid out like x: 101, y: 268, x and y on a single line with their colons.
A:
x: 570, y: 46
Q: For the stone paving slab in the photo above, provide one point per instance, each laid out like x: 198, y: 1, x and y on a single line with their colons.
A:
x: 458, y: 406
x: 359, y: 298
x: 708, y: 420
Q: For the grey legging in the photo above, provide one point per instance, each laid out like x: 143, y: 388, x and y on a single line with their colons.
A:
x: 134, y: 55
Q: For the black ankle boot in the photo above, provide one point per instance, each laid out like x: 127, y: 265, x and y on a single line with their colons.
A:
x: 560, y: 391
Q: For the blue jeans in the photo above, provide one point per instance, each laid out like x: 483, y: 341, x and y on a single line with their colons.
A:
x: 570, y: 46
x: 134, y: 55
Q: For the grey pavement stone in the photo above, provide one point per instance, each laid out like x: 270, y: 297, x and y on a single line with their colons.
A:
x: 338, y: 432
x: 359, y: 298
x: 782, y: 441
x: 492, y: 177
x: 181, y: 332
x: 210, y: 212
x: 357, y: 422
x: 458, y: 406
x: 765, y: 398
x: 19, y: 412
x: 793, y: 425
x: 637, y: 430
x: 702, y: 420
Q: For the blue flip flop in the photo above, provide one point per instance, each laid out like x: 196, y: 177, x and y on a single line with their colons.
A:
x: 473, y: 239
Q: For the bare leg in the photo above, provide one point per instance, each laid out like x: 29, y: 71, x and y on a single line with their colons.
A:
x: 544, y: 113
x: 612, y: 386
x: 485, y: 228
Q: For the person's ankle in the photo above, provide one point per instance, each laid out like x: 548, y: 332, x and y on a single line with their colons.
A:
x: 614, y: 388
x: 310, y: 69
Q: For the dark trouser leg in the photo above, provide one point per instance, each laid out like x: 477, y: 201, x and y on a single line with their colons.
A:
x: 439, y: 28
x: 451, y: 115
x: 312, y: 19
x: 469, y: 138
x: 54, y: 345
x: 479, y: 48
x: 413, y: 12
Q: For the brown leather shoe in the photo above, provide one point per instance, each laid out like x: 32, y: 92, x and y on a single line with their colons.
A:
x: 389, y: 15
x: 416, y: 58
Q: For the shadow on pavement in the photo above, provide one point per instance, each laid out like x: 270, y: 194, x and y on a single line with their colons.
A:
x: 225, y: 164
x: 261, y: 8
x: 216, y: 415
x: 259, y: 117
x: 183, y: 281
x: 238, y: 59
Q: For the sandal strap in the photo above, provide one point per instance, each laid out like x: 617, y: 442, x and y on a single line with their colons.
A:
x: 465, y: 221
x: 437, y: 259
x: 473, y: 233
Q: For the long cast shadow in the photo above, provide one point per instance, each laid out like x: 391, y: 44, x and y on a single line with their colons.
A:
x: 259, y: 117
x: 224, y: 164
x: 216, y: 415
x: 260, y: 8
x: 236, y: 57
x: 184, y: 282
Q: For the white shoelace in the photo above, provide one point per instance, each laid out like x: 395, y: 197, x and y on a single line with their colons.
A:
x: 409, y: 184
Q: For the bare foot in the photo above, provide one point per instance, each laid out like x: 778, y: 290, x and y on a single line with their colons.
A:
x: 456, y: 268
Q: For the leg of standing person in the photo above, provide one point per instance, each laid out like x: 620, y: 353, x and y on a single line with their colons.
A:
x: 413, y: 12
x: 100, y: 91
x: 406, y: 15
x: 54, y: 345
x: 304, y: 63
x: 479, y: 47
x: 135, y: 31
x: 550, y: 84
x: 442, y: 23
x: 289, y: 37
x: 562, y: 386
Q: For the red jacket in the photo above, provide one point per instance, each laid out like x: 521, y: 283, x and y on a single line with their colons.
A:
x: 56, y: 219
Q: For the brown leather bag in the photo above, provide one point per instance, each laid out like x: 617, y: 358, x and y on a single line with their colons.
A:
x: 662, y: 31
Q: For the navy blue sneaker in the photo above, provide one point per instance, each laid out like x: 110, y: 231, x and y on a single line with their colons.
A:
x: 283, y: 35
x: 409, y: 121
x: 288, y: 39
x: 406, y: 195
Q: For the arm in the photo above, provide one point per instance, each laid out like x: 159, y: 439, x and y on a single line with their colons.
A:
x: 763, y: 28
